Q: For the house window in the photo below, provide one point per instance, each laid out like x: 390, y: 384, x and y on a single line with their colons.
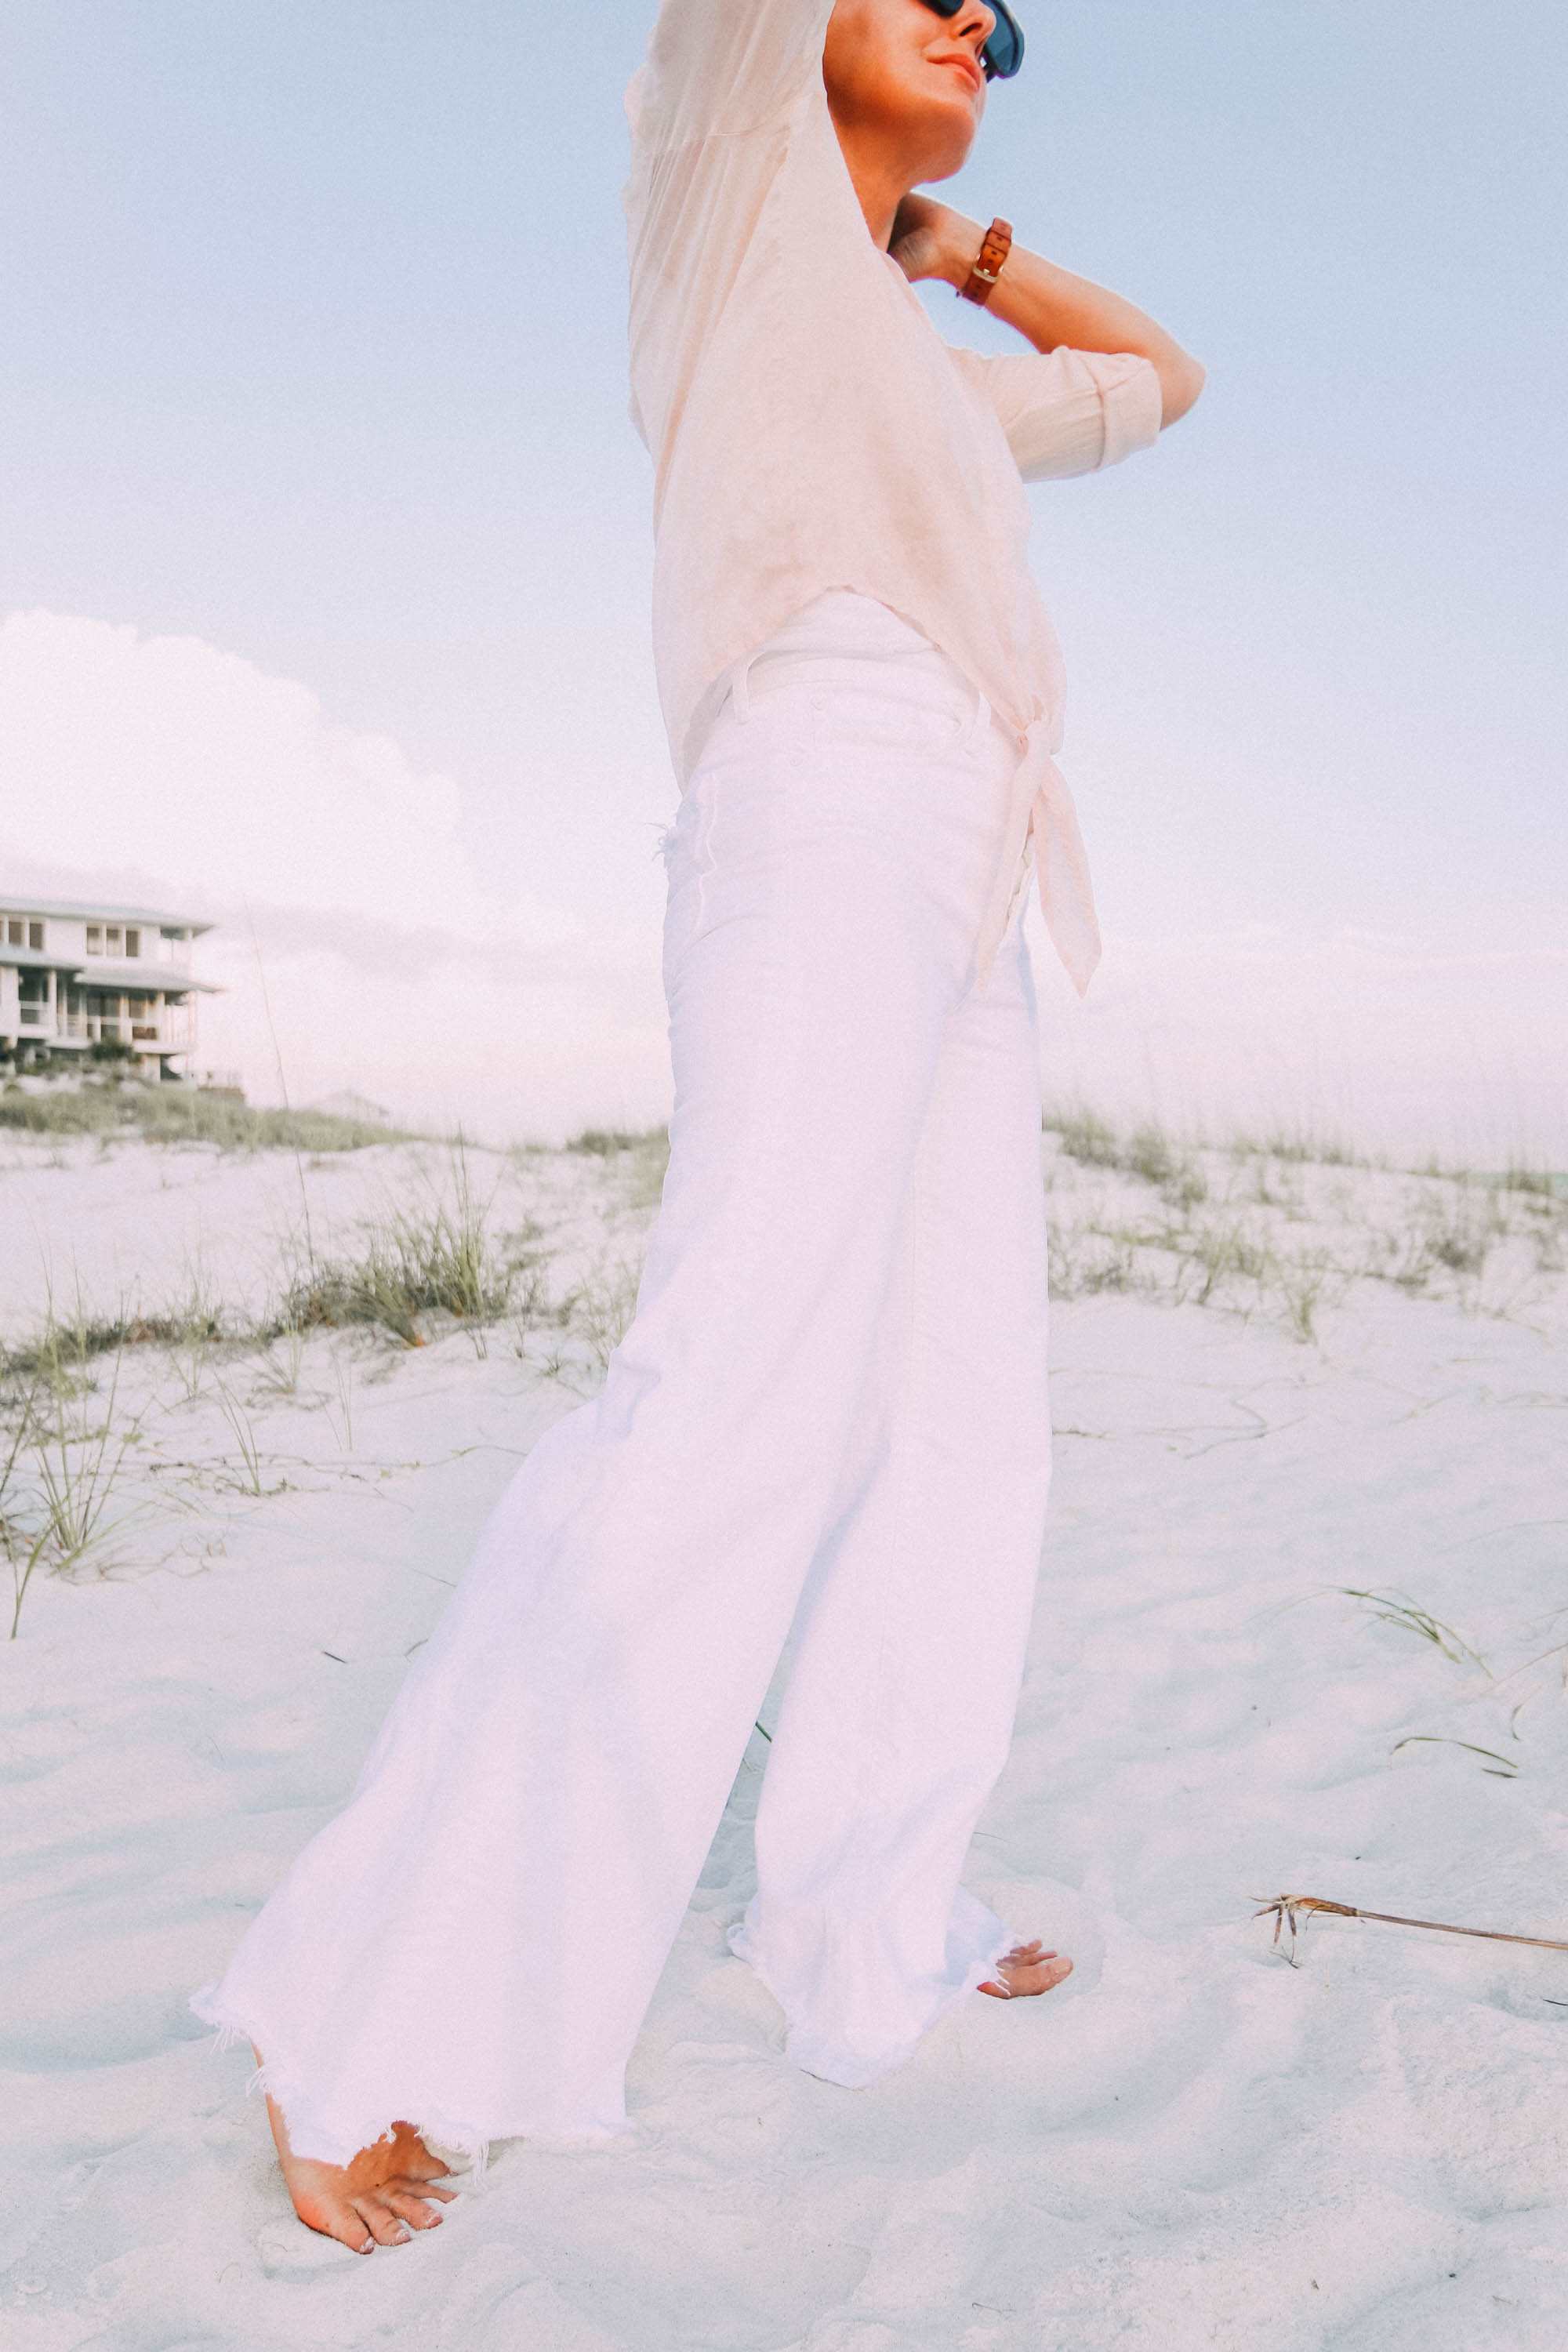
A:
x: 111, y: 939
x: 132, y: 943
x: 95, y: 939
x: 16, y: 931
x: 35, y: 937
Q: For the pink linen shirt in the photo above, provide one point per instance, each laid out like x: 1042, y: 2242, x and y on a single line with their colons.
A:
x: 810, y: 429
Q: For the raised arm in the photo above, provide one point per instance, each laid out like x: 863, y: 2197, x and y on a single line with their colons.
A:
x: 1047, y: 304
x: 708, y: 115
x: 723, y: 66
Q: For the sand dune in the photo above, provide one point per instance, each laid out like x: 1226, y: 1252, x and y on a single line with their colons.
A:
x: 1192, y: 2145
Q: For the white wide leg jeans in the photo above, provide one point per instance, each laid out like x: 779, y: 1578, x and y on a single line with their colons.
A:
x: 829, y: 1415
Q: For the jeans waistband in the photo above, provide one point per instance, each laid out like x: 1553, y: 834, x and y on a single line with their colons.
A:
x: 925, y: 676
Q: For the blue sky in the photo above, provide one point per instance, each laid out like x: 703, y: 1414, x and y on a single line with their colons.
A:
x: 314, y: 351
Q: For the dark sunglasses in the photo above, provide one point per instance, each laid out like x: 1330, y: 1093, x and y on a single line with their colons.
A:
x: 1003, y: 52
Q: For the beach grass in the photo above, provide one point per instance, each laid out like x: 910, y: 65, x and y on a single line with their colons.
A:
x: 1397, y: 1609
x: 436, y: 1257
x: 1285, y: 1228
x: 547, y: 1247
x: 1288, y: 1226
x: 63, y: 1491
x: 247, y: 1477
x: 640, y: 1157
x: 114, y: 1109
x: 602, y: 1303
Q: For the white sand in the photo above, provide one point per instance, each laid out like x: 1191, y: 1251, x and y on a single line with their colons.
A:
x: 1190, y: 2145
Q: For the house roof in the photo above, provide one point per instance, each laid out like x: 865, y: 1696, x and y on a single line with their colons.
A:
x: 147, y: 977
x: 94, y: 910
x: 143, y: 979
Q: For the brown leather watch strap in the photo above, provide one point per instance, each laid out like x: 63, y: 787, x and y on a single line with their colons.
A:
x: 980, y: 281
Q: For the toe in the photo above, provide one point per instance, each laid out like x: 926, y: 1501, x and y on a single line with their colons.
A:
x: 336, y: 2218
x: 414, y: 2207
x: 381, y: 2223
x: 1044, y: 1974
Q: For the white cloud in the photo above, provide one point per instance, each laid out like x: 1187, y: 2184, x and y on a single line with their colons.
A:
x: 161, y: 768
x: 164, y: 753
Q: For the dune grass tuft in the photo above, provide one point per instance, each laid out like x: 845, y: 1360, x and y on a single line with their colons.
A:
x: 178, y: 1114
x: 435, y: 1258
x: 605, y: 1142
x: 64, y: 1467
x: 1085, y: 1137
x: 59, y: 1352
x: 1282, y: 1227
x: 602, y: 1305
x: 1398, y: 1609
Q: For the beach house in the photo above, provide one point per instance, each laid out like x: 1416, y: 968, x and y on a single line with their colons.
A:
x: 76, y: 976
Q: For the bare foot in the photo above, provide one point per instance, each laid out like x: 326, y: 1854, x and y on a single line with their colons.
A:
x: 373, y: 2202
x: 1026, y: 1969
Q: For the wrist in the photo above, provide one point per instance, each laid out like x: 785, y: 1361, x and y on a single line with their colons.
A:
x: 995, y: 246
x: 958, y: 248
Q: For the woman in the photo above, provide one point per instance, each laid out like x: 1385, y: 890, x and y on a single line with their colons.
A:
x: 828, y: 1423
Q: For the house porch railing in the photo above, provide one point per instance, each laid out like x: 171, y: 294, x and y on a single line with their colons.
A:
x: 175, y: 1033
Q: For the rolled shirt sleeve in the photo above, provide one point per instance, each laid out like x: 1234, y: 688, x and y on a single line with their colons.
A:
x: 1066, y: 412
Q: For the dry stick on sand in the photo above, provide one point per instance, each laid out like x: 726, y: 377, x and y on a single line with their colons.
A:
x: 1285, y: 1907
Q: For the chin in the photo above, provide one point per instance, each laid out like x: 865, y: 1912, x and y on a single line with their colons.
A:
x: 946, y: 133
x: 948, y: 149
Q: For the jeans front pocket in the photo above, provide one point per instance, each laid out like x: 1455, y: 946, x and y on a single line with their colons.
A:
x: 728, y: 854
x: 687, y: 851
